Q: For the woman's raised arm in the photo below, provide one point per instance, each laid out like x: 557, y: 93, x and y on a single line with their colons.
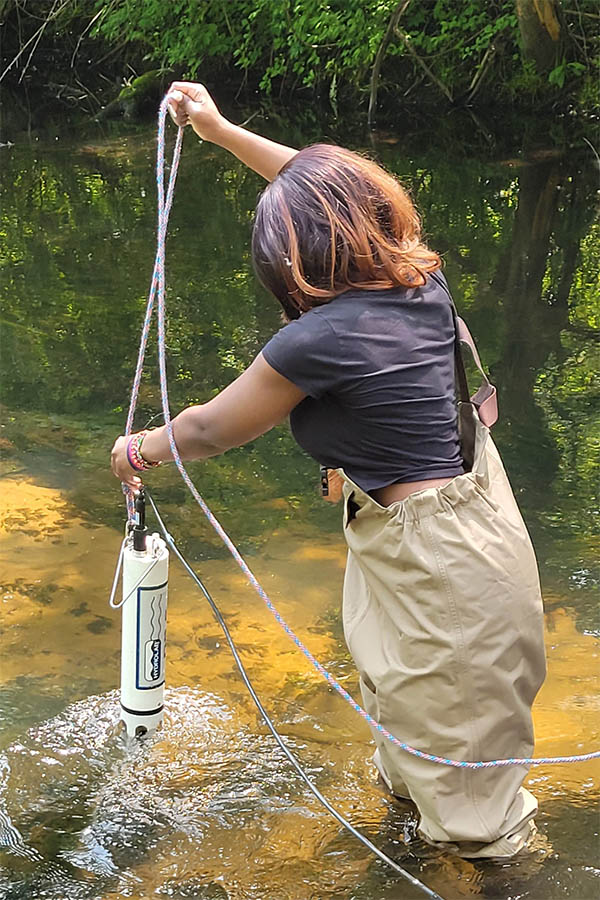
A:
x: 191, y: 104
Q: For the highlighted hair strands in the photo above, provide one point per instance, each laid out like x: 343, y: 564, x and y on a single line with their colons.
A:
x: 333, y: 221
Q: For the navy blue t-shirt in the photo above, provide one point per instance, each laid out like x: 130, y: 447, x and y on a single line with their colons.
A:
x: 378, y: 371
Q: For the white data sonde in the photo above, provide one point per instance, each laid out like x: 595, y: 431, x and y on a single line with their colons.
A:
x: 144, y: 621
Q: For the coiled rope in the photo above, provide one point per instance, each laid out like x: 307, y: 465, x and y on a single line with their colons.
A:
x: 157, y: 290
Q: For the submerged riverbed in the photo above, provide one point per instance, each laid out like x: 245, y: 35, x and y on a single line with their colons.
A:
x: 208, y: 808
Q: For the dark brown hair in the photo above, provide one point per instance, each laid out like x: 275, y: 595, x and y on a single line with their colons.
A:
x: 332, y: 221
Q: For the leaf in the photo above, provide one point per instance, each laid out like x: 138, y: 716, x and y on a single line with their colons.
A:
x: 558, y: 74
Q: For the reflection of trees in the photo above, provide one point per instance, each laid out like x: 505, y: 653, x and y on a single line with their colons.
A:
x: 532, y: 328
x: 76, y: 250
x: 66, y: 228
x: 77, y: 245
x: 544, y: 368
x: 533, y: 283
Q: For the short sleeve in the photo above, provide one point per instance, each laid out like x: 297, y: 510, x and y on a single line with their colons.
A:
x: 306, y: 353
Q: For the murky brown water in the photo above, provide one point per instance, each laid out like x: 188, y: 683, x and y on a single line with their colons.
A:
x: 208, y: 808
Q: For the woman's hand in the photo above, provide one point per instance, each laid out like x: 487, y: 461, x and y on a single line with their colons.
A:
x: 191, y: 104
x: 336, y: 485
x: 120, y: 464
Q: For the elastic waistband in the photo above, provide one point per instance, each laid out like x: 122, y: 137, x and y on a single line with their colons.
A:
x: 420, y: 504
x: 429, y: 501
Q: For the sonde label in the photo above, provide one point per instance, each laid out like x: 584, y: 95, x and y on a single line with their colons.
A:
x: 153, y: 660
x: 151, y: 623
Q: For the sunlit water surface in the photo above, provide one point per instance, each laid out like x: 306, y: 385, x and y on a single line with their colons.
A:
x: 208, y: 808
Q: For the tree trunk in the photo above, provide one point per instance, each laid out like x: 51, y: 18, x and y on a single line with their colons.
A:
x: 540, y: 31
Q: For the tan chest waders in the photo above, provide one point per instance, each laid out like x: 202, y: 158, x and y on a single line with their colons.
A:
x: 443, y: 616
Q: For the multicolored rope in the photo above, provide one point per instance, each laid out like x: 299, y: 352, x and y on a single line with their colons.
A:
x: 157, y: 289
x: 164, y: 210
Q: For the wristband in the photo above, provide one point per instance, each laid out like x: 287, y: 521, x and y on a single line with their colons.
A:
x: 134, y: 453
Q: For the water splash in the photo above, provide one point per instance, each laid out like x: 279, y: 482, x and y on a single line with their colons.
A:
x: 93, y: 812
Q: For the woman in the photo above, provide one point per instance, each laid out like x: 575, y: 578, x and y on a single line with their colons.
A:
x: 442, y: 607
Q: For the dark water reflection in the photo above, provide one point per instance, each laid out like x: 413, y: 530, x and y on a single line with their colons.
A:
x: 208, y: 809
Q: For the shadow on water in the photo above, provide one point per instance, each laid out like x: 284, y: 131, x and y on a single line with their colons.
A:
x: 207, y: 808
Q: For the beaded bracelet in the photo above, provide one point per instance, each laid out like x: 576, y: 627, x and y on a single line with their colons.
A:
x: 134, y: 453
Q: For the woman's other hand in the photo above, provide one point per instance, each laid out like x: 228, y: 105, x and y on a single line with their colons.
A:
x: 191, y: 104
x: 336, y: 484
x: 120, y: 464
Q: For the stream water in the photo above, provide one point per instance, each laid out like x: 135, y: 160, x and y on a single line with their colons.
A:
x: 208, y: 808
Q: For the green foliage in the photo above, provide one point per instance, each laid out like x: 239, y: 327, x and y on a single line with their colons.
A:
x: 458, y: 32
x: 310, y: 42
x: 329, y: 47
x: 178, y: 33
x: 526, y: 81
x: 307, y: 41
x: 325, y: 48
x: 584, y: 296
x: 559, y: 74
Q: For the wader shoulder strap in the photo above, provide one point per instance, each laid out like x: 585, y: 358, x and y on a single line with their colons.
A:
x: 485, y: 398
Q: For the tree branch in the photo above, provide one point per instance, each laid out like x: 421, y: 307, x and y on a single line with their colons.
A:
x: 37, y: 35
x: 481, y: 70
x: 98, y: 15
x: 440, y: 84
x: 391, y: 27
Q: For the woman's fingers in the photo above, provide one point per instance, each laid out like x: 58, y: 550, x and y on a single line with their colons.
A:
x: 191, y: 104
x: 177, y: 108
x: 120, y: 464
x: 195, y: 91
x: 336, y: 485
x: 133, y: 483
